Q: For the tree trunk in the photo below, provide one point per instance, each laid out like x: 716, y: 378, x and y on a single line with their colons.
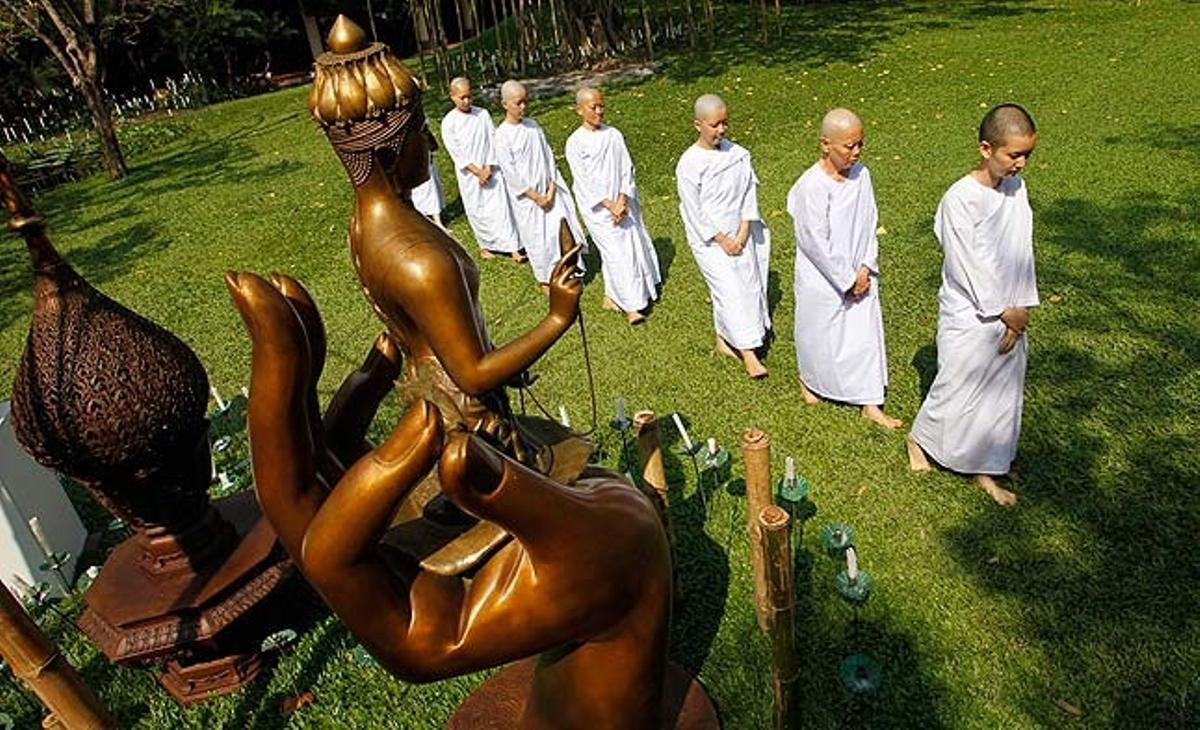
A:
x: 110, y: 148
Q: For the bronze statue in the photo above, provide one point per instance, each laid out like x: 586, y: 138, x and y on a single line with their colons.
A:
x: 118, y: 403
x: 499, y: 541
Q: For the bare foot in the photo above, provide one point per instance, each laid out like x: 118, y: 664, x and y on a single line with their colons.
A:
x: 916, y: 455
x: 545, y: 289
x: 810, y: 397
x: 724, y: 348
x: 519, y: 257
x: 485, y: 253
x: 610, y: 305
x: 1003, y: 497
x: 635, y: 317
x: 754, y: 367
x: 875, y: 414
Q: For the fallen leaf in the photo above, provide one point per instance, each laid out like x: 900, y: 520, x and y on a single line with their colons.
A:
x: 993, y: 560
x: 290, y: 705
x: 1055, y: 298
x: 1068, y: 708
x: 862, y: 489
x: 776, y: 213
x: 881, y: 231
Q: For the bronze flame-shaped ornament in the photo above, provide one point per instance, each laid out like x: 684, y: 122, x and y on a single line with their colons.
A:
x: 117, y: 403
x: 471, y: 537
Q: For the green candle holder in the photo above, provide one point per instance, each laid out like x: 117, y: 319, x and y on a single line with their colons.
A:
x: 793, y: 490
x: 857, y: 591
x: 860, y: 674
x: 836, y: 537
x: 277, y: 640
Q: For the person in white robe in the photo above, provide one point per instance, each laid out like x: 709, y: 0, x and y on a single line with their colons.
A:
x: 427, y: 197
x: 839, y: 322
x: 718, y: 201
x: 538, y: 194
x: 467, y: 134
x: 971, y: 418
x: 605, y: 189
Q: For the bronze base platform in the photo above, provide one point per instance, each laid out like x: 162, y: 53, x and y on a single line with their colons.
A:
x: 188, y: 683
x: 500, y: 701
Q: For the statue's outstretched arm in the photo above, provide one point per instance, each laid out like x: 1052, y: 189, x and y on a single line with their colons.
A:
x: 355, y: 403
x: 430, y: 290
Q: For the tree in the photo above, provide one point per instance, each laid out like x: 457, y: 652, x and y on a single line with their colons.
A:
x: 69, y: 29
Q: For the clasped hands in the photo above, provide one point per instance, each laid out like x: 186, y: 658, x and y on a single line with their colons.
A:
x: 737, y: 243
x: 1015, y: 320
x: 484, y: 174
x: 545, y: 201
x: 862, y: 283
x: 618, y: 209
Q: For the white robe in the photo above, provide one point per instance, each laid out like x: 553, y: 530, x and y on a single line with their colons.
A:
x: 717, y: 191
x: 527, y: 162
x: 839, y: 339
x: 427, y: 197
x: 602, y: 170
x: 971, y: 418
x: 467, y: 137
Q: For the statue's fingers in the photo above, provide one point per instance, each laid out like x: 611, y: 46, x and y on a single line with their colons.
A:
x: 310, y: 318
x: 269, y: 318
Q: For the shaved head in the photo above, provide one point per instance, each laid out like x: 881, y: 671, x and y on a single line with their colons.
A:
x: 708, y: 105
x: 839, y: 121
x: 511, y: 90
x: 459, y: 83
x: 586, y: 93
x: 1004, y: 121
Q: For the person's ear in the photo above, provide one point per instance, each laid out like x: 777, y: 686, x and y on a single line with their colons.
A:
x: 696, y: 124
x: 985, y: 150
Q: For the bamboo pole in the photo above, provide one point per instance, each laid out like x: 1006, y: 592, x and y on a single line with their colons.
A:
x: 645, y: 425
x: 35, y: 660
x: 756, y: 455
x: 774, y: 526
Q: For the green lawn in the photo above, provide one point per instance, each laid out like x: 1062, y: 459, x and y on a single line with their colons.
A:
x: 1083, y: 596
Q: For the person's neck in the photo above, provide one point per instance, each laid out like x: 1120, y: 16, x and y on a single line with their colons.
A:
x: 828, y: 168
x: 984, y: 177
x: 465, y: 111
x: 704, y: 145
x: 511, y: 120
x: 593, y: 127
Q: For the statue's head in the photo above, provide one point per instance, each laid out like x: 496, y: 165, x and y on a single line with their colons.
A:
x: 370, y: 108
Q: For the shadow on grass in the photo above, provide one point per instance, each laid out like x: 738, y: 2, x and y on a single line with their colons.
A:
x: 1108, y: 466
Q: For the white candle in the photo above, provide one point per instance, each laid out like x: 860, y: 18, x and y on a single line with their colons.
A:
x: 687, y: 441
x: 790, y: 469
x: 621, y: 409
x: 562, y: 416
x: 224, y: 477
x: 246, y: 392
x: 35, y: 526
x: 217, y: 395
x: 712, y: 446
x: 851, y: 564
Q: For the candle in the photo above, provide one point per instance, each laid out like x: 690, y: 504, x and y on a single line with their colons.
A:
x: 35, y: 526
x: 790, y: 469
x: 217, y: 395
x: 687, y: 441
x: 246, y: 392
x: 562, y: 416
x: 851, y: 564
x: 225, y: 481
x: 621, y: 409
x: 712, y: 446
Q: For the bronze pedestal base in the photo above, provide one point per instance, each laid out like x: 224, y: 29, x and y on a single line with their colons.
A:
x: 204, y: 624
x: 500, y: 701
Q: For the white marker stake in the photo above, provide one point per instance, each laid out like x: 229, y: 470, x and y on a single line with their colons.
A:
x: 851, y: 564
x: 217, y: 395
x: 789, y: 469
x: 712, y: 447
x: 687, y: 441
x: 621, y: 409
x: 562, y: 416
x: 35, y: 526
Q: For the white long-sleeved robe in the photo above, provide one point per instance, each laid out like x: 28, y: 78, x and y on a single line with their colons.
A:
x: 971, y: 418
x: 528, y: 163
x: 427, y: 197
x: 839, y: 339
x: 602, y: 169
x: 468, y: 139
x: 717, y: 191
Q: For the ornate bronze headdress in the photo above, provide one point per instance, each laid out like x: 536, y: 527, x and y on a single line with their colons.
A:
x: 363, y: 97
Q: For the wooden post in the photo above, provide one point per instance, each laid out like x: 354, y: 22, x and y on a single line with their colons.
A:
x: 781, y: 611
x: 36, y: 661
x: 645, y: 425
x: 756, y: 455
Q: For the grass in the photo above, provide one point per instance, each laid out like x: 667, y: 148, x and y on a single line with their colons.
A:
x: 1082, y: 597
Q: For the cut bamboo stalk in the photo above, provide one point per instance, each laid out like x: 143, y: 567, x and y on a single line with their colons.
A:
x: 36, y: 661
x: 645, y: 425
x: 781, y: 615
x: 756, y: 455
